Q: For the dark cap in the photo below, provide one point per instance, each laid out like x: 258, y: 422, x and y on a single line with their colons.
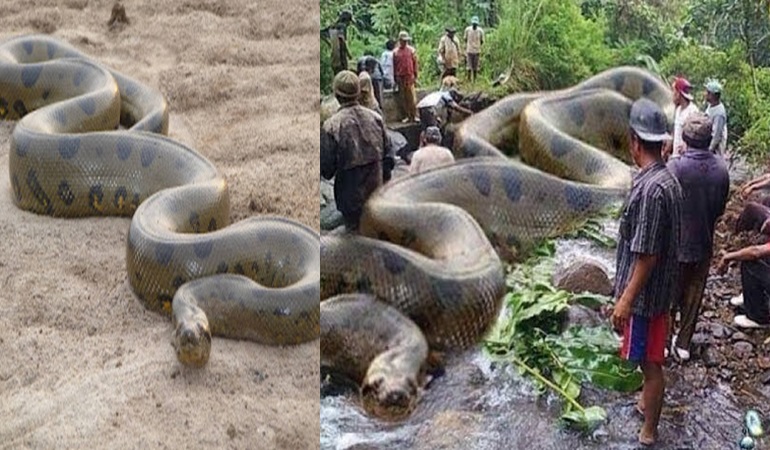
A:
x: 696, y: 131
x: 648, y: 121
x: 450, y: 29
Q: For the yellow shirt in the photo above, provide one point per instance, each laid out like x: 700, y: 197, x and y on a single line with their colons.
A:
x: 449, y: 50
x: 473, y: 39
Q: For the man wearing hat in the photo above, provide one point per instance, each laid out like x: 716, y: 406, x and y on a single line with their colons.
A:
x: 405, y: 74
x: 647, y: 269
x: 353, y: 145
x: 716, y: 111
x: 337, y: 38
x: 705, y: 187
x: 449, y: 53
x: 474, y: 39
x: 684, y: 107
x: 431, y: 154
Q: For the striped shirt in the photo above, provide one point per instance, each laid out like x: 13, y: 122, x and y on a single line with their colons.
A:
x: 650, y: 226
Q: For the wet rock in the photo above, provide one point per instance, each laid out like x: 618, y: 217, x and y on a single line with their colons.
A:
x: 739, y: 336
x: 743, y: 349
x: 763, y: 362
x: 448, y: 428
x: 766, y: 377
x: 701, y: 339
x: 331, y: 218
x: 583, y: 276
x: 582, y: 316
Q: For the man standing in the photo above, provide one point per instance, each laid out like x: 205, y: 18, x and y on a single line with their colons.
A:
x: 435, y: 108
x: 353, y: 145
x: 449, y: 53
x: 431, y: 154
x: 337, y: 35
x: 386, y: 62
x: 647, y: 266
x: 474, y: 39
x: 705, y: 187
x: 372, y: 66
x: 718, y: 115
x: 405, y: 73
x: 684, y: 107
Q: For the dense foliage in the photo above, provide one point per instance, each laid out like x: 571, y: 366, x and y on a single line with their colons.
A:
x: 549, y: 44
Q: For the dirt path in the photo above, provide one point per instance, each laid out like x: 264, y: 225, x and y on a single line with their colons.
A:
x: 82, y: 363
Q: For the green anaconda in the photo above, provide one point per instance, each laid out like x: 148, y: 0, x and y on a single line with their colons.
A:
x: 430, y: 245
x: 87, y: 143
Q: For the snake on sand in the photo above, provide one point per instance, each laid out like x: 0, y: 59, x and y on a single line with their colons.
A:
x: 257, y: 279
x: 429, y: 244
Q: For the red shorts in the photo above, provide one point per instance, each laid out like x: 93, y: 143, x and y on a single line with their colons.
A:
x: 644, y: 339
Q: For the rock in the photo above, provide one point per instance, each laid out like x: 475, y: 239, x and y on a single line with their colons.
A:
x: 709, y: 314
x: 763, y: 362
x: 583, y: 276
x: 743, y: 349
x: 701, y: 339
x: 719, y: 331
x: 739, y: 336
x: 582, y: 316
x: 711, y: 357
x: 766, y: 377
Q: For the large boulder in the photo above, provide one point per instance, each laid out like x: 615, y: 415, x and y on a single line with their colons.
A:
x: 583, y: 275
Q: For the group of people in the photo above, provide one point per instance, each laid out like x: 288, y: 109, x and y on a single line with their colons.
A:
x: 666, y: 238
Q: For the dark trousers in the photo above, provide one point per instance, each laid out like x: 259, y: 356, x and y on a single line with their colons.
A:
x: 692, y: 280
x: 377, y: 85
x: 755, y: 278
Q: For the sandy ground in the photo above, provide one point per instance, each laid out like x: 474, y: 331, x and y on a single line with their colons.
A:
x: 82, y: 363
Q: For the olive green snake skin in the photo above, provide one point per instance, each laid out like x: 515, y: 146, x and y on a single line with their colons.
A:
x: 87, y: 144
x: 430, y: 245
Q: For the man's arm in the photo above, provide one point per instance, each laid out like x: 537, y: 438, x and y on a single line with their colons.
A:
x: 717, y: 133
x: 456, y: 106
x: 344, y: 47
x: 328, y: 155
x: 643, y: 267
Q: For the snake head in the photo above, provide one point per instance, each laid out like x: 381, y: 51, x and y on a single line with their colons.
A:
x: 192, y: 342
x: 388, y: 396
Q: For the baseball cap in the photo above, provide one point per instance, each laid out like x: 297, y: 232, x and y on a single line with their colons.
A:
x: 475, y: 20
x: 404, y: 36
x: 696, y: 131
x: 713, y: 86
x: 648, y: 121
x: 684, y: 87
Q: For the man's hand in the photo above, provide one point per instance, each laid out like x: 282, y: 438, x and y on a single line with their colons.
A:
x: 620, y: 314
x: 723, y: 264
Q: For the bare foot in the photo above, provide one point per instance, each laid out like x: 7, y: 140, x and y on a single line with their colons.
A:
x: 646, y: 438
x: 640, y: 407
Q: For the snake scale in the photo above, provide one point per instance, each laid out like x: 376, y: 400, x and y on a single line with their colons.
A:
x: 428, y: 262
x: 89, y: 142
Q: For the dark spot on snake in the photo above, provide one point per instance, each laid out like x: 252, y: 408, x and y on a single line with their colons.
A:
x: 60, y: 117
x: 364, y: 285
x: 80, y: 74
x: 163, y: 253
x: 178, y: 282
x: 577, y: 198
x: 447, y: 292
x: 212, y: 225
x: 383, y: 236
x: 124, y: 148
x: 68, y: 147
x: 37, y: 191
x: 255, y: 266
x: 617, y: 143
x: 560, y: 145
x: 148, y: 155
x: 511, y: 185
x: 239, y: 269
x: 88, y: 105
x: 393, y: 262
x: 165, y: 301
x: 96, y: 196
x: 65, y: 193
x: 46, y: 93
x: 3, y: 108
x: 282, y: 312
x: 203, y: 249
x: 21, y: 145
x: 20, y: 108
x: 30, y: 74
x: 618, y: 80
x: 28, y: 46
x: 512, y: 241
x: 408, y: 237
x: 135, y: 201
x: 121, y: 195
x: 51, y: 49
x: 576, y: 113
x: 195, y: 222
x: 222, y: 267
x: 481, y: 181
x: 138, y: 275
x: 16, y: 187
x: 593, y: 165
x: 647, y: 87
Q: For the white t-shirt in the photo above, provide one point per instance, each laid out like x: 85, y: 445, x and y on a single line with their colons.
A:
x: 386, y: 61
x: 438, y: 98
x: 680, y: 116
x: 429, y: 157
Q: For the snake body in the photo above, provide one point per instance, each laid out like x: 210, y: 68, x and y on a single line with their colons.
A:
x: 257, y: 279
x: 430, y: 245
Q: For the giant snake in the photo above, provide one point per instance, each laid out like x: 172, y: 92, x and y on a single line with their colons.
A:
x: 88, y: 142
x: 425, y: 271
